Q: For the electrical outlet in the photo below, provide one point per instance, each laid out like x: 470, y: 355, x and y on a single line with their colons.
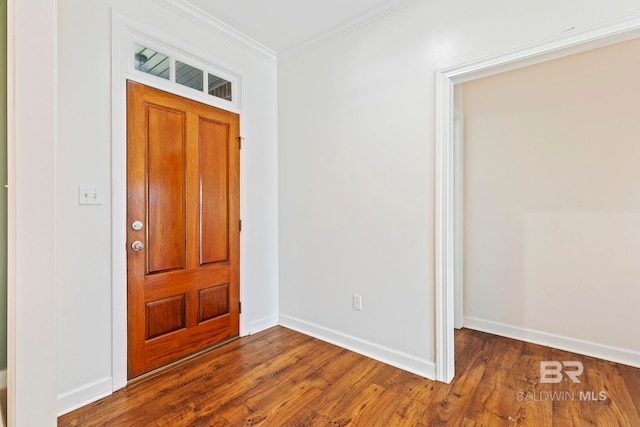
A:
x: 357, y: 302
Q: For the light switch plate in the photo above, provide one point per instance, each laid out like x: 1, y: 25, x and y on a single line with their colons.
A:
x: 357, y: 302
x: 90, y: 195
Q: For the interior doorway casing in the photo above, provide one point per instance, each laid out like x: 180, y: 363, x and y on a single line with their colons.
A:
x: 448, y: 192
x: 124, y: 32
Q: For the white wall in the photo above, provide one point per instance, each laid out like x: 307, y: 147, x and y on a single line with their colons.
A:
x: 552, y: 204
x: 355, y: 120
x: 31, y: 252
x: 356, y: 166
x: 83, y: 243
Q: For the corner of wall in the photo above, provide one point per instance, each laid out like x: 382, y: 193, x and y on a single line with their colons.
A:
x: 410, y: 363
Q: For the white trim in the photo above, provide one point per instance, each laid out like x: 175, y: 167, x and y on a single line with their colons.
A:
x: 361, y: 20
x: 561, y: 342
x: 118, y: 204
x: 11, y: 212
x: 83, y: 395
x: 32, y: 92
x: 138, y: 33
x: 202, y: 18
x: 213, y: 24
x: 123, y: 29
x: 577, y: 40
x: 390, y: 356
x: 458, y: 223
x: 444, y: 217
x: 262, y: 324
x: 570, y: 42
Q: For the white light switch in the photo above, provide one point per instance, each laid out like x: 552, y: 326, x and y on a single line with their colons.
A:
x: 90, y: 195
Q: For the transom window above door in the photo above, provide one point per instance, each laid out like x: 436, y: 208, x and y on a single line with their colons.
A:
x: 163, y: 64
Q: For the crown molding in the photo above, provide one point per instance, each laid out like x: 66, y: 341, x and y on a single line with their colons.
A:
x: 203, y: 19
x: 369, y: 16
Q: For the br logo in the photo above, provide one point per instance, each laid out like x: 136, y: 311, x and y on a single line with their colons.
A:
x: 551, y: 372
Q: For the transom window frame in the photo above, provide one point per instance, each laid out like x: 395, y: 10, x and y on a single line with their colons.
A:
x: 125, y: 34
x: 193, y: 59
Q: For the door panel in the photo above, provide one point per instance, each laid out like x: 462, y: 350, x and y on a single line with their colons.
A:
x: 214, y: 192
x: 166, y: 230
x: 165, y: 315
x: 214, y: 302
x: 183, y: 184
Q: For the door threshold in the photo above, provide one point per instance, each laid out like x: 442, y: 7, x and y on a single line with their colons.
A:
x: 132, y: 382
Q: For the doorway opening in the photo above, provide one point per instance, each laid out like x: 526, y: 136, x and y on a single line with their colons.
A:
x: 448, y: 200
x: 190, y: 75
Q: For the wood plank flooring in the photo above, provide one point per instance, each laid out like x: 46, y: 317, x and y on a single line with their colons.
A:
x: 283, y: 378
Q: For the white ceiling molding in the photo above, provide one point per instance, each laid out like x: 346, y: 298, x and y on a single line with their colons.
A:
x: 371, y: 15
x: 202, y: 18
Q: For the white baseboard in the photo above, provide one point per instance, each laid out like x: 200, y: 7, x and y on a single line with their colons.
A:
x: 574, y: 345
x: 260, y: 325
x: 404, y: 361
x: 81, y: 396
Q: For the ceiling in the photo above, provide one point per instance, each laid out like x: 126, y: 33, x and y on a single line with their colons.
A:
x: 285, y: 26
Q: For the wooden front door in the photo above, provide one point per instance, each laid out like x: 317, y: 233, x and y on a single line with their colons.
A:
x: 183, y: 227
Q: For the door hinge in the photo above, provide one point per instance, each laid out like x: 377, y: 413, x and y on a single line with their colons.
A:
x: 240, y: 142
x: 239, y: 306
x: 240, y: 225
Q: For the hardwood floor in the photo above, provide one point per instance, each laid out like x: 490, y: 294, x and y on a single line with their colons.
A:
x: 282, y: 378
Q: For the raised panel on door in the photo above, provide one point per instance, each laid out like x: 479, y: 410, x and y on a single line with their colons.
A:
x: 214, y: 191
x: 166, y: 198
x: 183, y: 183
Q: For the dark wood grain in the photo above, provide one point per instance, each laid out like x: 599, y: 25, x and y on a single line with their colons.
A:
x: 279, y: 377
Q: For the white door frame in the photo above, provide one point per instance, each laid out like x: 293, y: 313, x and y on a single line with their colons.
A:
x: 448, y: 219
x: 124, y: 31
x: 458, y: 211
